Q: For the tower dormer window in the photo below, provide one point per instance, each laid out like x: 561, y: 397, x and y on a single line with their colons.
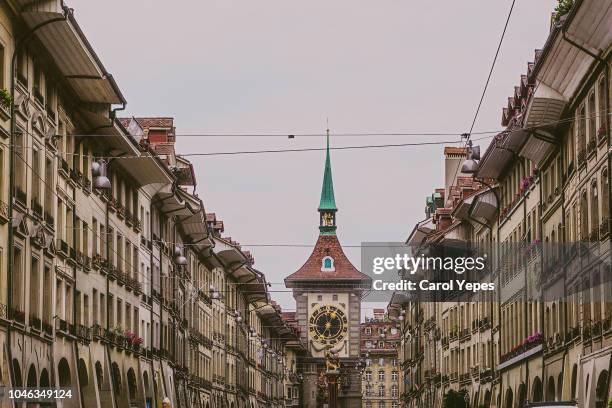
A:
x: 327, y: 264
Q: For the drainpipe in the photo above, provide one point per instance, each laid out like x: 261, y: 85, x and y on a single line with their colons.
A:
x: 152, y: 266
x: 74, y: 271
x: 541, y: 293
x: 525, y: 320
x: 563, y: 254
x: 19, y: 44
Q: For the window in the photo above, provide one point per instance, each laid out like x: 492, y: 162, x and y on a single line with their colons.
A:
x: 381, y: 390
x: 604, y: 196
x: 592, y: 117
x: 22, y: 67
x: 327, y: 264
x: 36, y: 176
x: 34, y: 288
x: 394, y: 375
x: 47, y: 292
x: 394, y: 391
x: 381, y: 375
x: 368, y: 376
x: 581, y: 133
x: 2, y: 62
x: 602, y: 106
x: 594, y: 207
x: 18, y: 279
x: 368, y: 330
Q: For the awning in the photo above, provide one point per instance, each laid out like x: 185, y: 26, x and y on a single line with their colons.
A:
x: 462, y: 209
x: 502, y: 150
x: 562, y: 66
x: 484, y: 206
x: 230, y: 255
x: 274, y: 320
x: 145, y: 170
x: 398, y: 300
x: 72, y: 53
x: 539, y: 145
x: 421, y: 231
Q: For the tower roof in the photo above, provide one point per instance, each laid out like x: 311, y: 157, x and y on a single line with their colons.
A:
x: 343, y: 269
x: 328, y: 201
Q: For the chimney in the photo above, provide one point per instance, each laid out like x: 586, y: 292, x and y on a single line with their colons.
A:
x: 453, y: 159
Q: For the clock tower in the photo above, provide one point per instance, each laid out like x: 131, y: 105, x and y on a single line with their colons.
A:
x: 328, y: 291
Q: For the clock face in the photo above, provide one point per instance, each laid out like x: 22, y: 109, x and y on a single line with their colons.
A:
x: 328, y: 325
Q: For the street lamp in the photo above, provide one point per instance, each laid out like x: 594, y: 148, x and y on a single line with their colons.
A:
x: 470, y: 165
x: 98, y: 171
x: 179, y: 258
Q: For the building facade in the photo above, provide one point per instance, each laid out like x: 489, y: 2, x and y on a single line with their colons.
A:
x: 115, y: 282
x: 379, y: 351
x: 538, y: 201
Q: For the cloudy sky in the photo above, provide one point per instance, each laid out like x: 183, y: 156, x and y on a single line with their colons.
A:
x: 284, y: 67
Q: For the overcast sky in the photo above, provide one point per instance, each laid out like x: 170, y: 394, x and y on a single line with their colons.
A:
x: 278, y: 66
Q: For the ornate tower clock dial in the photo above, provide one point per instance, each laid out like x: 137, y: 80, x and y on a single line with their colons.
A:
x: 328, y: 325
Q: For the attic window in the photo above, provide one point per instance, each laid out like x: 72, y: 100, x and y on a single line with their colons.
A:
x: 327, y: 264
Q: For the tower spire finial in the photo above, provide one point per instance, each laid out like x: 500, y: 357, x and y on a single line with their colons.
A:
x: 327, y: 205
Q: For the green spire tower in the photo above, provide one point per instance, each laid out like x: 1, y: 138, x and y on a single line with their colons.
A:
x: 327, y: 206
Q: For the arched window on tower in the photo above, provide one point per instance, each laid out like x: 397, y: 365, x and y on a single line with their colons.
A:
x: 327, y: 264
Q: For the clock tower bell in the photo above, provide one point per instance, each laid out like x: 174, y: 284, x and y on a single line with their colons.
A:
x: 328, y: 291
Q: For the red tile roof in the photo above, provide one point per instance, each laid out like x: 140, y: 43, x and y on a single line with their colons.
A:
x: 156, y: 122
x: 454, y: 150
x: 327, y: 245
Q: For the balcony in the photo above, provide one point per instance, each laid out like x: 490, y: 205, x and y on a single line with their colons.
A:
x: 3, y: 311
x: 97, y: 332
x: 3, y: 212
x: 112, y: 271
x: 528, y: 347
x: 83, y: 333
